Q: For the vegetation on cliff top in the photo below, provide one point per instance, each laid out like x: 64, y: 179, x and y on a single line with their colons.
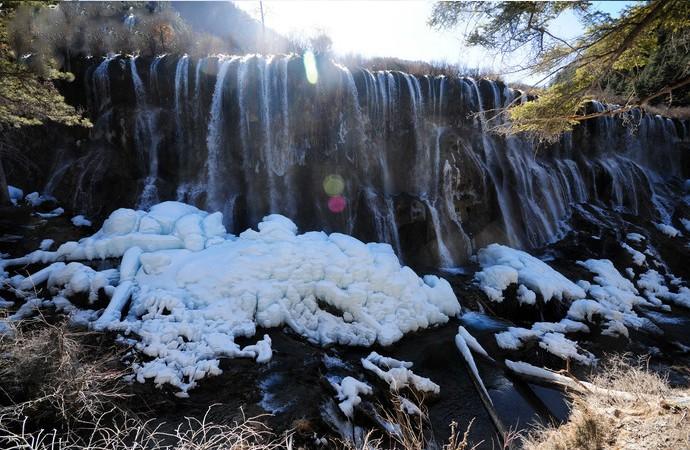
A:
x: 27, y: 93
x: 642, y: 56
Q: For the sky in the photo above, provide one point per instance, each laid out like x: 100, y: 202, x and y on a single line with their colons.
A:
x: 395, y: 28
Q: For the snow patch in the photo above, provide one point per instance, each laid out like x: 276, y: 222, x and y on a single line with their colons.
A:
x: 409, y: 408
x: 35, y: 199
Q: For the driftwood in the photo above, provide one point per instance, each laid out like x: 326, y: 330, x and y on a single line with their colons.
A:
x: 480, y: 388
x: 539, y: 375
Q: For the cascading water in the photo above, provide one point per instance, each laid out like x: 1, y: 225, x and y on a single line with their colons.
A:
x: 251, y: 137
x: 491, y: 165
x: 100, y: 86
x: 146, y: 136
x: 181, y: 102
x: 214, y: 140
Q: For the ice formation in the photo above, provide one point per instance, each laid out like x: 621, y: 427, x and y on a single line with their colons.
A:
x: 397, y: 374
x: 610, y: 297
x: 526, y: 296
x: 49, y: 215
x: 637, y: 257
x: 550, y: 337
x: 16, y: 194
x: 503, y: 265
x: 654, y: 288
x: 409, y: 407
x: 46, y: 244
x: 186, y: 289
x: 686, y: 224
x: 635, y: 237
x: 615, y: 298
x: 668, y: 230
x: 348, y: 392
x: 81, y: 221
x: 35, y: 199
x: 464, y: 341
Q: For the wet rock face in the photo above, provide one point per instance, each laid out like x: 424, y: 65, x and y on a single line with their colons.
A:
x: 251, y: 135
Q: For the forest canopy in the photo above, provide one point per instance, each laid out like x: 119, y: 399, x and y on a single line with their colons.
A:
x: 639, y: 59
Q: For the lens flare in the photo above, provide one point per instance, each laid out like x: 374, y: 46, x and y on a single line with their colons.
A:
x: 333, y: 185
x: 310, y: 67
x: 337, y: 204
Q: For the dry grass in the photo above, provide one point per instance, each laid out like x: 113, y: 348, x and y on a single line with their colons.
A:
x: 414, y: 430
x: 51, y: 374
x: 631, y: 410
x: 192, y: 434
x: 408, y: 431
x: 61, y: 392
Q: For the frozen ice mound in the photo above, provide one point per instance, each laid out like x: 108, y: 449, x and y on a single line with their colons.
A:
x: 187, y: 289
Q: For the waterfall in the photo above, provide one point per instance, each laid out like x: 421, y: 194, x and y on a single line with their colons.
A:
x: 181, y: 94
x: 491, y: 166
x: 146, y: 137
x: 445, y: 257
x: 257, y: 138
x: 101, y: 85
x: 214, y: 139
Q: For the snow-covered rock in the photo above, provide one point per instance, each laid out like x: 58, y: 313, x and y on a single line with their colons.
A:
x: 654, y: 288
x: 493, y: 280
x: 550, y: 337
x: 503, y: 265
x: 614, y: 299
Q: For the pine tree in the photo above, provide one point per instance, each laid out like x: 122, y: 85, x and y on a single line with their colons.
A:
x: 642, y: 56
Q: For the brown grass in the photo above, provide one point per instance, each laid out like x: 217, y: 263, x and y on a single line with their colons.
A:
x: 191, y: 434
x: 644, y: 418
x: 51, y: 374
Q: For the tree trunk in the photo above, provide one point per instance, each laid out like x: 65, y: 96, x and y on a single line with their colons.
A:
x: 4, y: 190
